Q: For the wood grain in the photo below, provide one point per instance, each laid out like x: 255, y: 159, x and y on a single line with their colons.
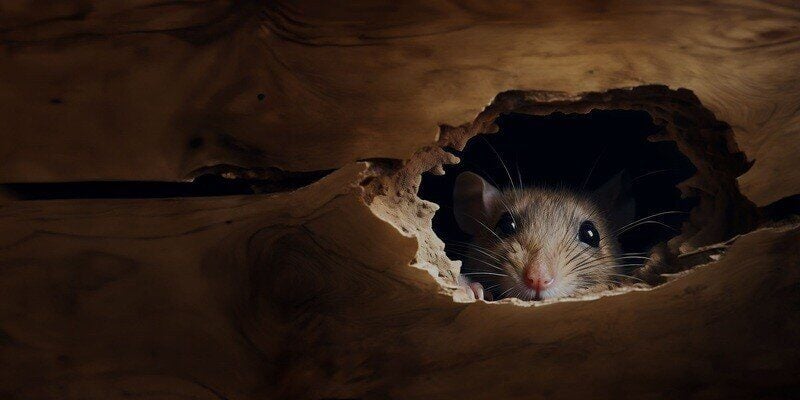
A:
x: 98, y: 90
x: 309, y: 295
x: 340, y: 289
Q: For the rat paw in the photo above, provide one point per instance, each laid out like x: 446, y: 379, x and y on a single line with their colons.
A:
x: 474, y: 289
x: 477, y: 290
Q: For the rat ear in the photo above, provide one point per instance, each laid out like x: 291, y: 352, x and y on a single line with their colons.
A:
x: 615, y: 196
x: 473, y: 201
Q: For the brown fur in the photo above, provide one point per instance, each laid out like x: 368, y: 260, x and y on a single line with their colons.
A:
x: 547, y: 222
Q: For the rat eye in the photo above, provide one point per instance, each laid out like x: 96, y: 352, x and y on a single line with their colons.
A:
x: 588, y: 234
x: 506, y: 225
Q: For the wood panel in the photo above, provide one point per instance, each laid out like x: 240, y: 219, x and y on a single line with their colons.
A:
x: 156, y: 90
x: 309, y: 295
x: 340, y: 289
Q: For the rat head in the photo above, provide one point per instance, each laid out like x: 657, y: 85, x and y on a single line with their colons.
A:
x: 538, y: 243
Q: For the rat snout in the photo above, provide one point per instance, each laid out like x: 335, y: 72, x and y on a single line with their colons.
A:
x: 537, y: 277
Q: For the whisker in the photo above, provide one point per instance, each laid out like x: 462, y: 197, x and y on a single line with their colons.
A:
x: 481, y: 261
x: 591, y: 171
x: 484, y: 226
x: 629, y: 277
x: 483, y: 273
x: 503, y: 294
x: 592, y: 260
x: 508, y: 174
x: 650, y: 216
x: 646, y: 223
x: 651, y: 173
x: 495, y: 256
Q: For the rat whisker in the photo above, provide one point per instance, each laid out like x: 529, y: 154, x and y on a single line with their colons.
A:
x: 502, y: 163
x: 606, y: 257
x: 514, y: 191
x: 573, y: 245
x: 483, y: 273
x: 648, y: 259
x: 503, y: 294
x: 634, y: 253
x: 491, y: 254
x: 598, y: 264
x: 488, y: 289
x: 582, y: 252
x: 651, y: 173
x: 649, y: 217
x: 484, y: 226
x: 494, y: 182
x: 646, y: 223
x: 594, y: 165
x: 621, y: 265
x: 629, y: 277
x: 481, y: 261
x: 600, y: 260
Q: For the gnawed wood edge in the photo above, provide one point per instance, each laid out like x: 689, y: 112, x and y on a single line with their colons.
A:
x: 309, y: 294
x: 144, y: 91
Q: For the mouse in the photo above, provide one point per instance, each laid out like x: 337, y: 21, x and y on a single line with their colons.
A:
x: 538, y: 243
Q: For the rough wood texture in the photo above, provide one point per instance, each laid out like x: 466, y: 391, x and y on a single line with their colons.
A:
x: 308, y: 295
x: 156, y: 90
x: 340, y: 289
x: 721, y: 212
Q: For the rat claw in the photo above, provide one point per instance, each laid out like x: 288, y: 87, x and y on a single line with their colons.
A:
x: 474, y: 290
x: 477, y: 290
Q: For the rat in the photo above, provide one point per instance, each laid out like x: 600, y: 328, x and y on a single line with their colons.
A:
x: 540, y: 243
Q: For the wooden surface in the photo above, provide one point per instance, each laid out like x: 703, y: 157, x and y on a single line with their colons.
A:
x: 308, y: 295
x: 155, y: 90
x: 340, y: 289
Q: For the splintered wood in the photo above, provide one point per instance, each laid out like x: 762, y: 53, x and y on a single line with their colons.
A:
x: 340, y: 289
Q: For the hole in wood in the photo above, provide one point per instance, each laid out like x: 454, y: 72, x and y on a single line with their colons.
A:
x: 566, y: 154
x: 680, y: 157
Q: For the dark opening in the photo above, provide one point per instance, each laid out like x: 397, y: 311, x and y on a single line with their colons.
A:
x: 204, y: 185
x: 561, y: 149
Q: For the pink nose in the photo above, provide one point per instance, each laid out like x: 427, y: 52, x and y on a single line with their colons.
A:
x: 537, y: 278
